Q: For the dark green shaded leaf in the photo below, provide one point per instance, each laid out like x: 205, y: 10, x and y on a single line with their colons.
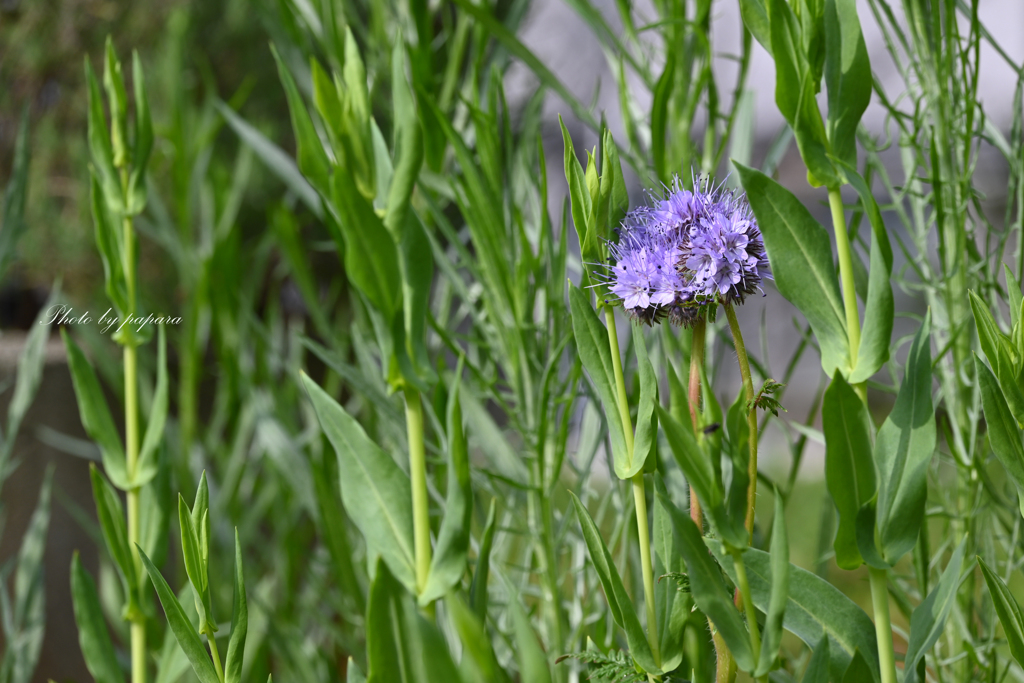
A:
x: 111, y: 518
x: 929, y: 618
x: 239, y: 622
x: 772, y: 637
x: 478, y: 589
x: 13, y: 210
x: 847, y: 77
x: 533, y: 664
x: 146, y: 467
x: 93, y: 638
x: 1003, y: 434
x: 1007, y: 610
x: 817, y: 669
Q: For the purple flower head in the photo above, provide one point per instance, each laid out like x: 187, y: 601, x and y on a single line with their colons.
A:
x: 685, y: 251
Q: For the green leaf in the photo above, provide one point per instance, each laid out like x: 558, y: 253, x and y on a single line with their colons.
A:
x: 115, y: 534
x: 849, y: 468
x: 659, y: 114
x: 142, y: 141
x: 358, y: 119
x: 93, y: 638
x: 276, y: 161
x: 859, y: 670
x: 397, y: 637
x: 997, y: 349
x: 579, y: 197
x: 755, y: 17
x: 673, y: 608
x: 180, y: 625
x: 646, y: 439
x: 448, y: 563
x: 117, y: 98
x: 194, y: 565
x: 929, y: 618
x: 479, y: 663
x: 779, y: 596
x: 108, y: 241
x: 376, y: 493
x: 24, y: 632
x: 1003, y: 435
x: 147, y: 467
x: 1007, y: 610
x: 815, y: 609
x: 592, y: 346
x: 13, y: 208
x: 312, y: 159
x: 903, y: 451
x: 95, y: 415
x: 873, y: 351
x: 478, y: 589
x: 31, y: 361
x: 800, y: 254
x: 817, y: 668
x: 239, y: 622
x: 847, y: 77
x: 700, y: 474
x: 533, y: 664
x: 709, y: 591
x: 615, y: 593
x: 1015, y: 298
x: 355, y: 674
x: 99, y: 146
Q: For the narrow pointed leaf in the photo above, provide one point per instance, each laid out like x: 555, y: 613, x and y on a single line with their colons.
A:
x: 1007, y: 610
x: 93, y: 637
x: 779, y: 596
x: 146, y: 468
x: 929, y: 618
x: 239, y: 622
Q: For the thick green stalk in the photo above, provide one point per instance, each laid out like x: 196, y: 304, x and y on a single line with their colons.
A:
x: 748, y: 389
x: 696, y: 363
x: 835, y: 202
x: 639, y: 499
x: 883, y: 627
x: 418, y: 475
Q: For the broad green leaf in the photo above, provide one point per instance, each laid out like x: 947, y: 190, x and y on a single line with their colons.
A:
x: 93, y: 637
x: 95, y: 415
x: 142, y: 142
x: 448, y: 563
x: 903, y: 451
x: 239, y: 622
x: 847, y: 77
x: 929, y: 618
x: 755, y: 18
x: 708, y: 590
x: 533, y: 664
x: 849, y: 468
x: 180, y: 625
x: 592, y: 346
x: 279, y: 163
x: 1003, y: 435
x: 115, y: 534
x: 800, y: 254
x: 817, y: 668
x: 673, y: 608
x: 376, y: 493
x: 618, y: 600
x: 13, y: 208
x: 772, y: 636
x: 309, y: 153
x: 646, y: 439
x: 700, y: 474
x: 146, y: 467
x: 28, y: 622
x: 478, y: 589
x: 1007, y: 610
x: 873, y: 351
x: 815, y: 609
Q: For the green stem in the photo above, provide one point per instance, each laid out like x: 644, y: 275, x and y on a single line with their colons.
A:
x: 748, y: 602
x: 835, y: 202
x: 639, y: 499
x: 883, y: 627
x: 748, y: 388
x: 693, y: 398
x: 216, y: 656
x: 418, y: 475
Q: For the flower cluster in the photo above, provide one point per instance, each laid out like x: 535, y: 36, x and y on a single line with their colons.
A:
x: 684, y: 251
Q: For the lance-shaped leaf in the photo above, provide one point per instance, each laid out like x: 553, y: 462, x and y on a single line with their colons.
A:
x: 108, y: 241
x: 929, y: 618
x: 997, y: 349
x: 99, y: 146
x: 95, y: 415
x: 115, y: 534
x: 849, y: 468
x: 615, y: 593
x: 779, y: 596
x: 592, y: 346
x: 533, y: 664
x: 180, y: 625
x: 903, y: 451
x: 239, y: 622
x: 30, y: 369
x: 448, y: 563
x: 1007, y: 610
x: 800, y: 254
x: 93, y: 637
x: 847, y: 77
x: 755, y: 17
x: 312, y: 159
x: 646, y: 419
x: 478, y: 589
x: 479, y: 663
x: 673, y: 609
x: 580, y: 204
x: 146, y: 467
x: 1003, y: 435
x: 815, y: 609
x: 195, y: 568
x: 817, y: 668
x: 142, y: 143
x: 873, y: 351
x: 708, y: 590
x: 376, y: 493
